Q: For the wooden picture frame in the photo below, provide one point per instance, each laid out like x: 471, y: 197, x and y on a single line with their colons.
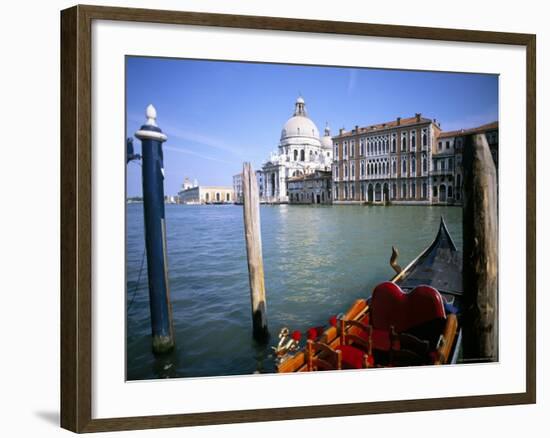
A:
x: 76, y: 217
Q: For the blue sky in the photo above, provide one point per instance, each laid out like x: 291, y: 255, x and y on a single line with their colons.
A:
x: 218, y: 114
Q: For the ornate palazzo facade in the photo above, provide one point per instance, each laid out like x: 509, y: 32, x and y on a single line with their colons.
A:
x: 387, y: 162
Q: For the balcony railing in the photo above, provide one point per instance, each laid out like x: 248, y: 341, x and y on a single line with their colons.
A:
x: 442, y: 172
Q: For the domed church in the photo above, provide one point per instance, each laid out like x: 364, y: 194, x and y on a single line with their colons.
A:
x: 301, y: 152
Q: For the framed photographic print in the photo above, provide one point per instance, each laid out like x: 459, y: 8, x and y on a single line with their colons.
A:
x: 352, y: 208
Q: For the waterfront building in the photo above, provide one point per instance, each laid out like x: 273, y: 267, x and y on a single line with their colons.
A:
x: 386, y: 162
x: 447, y: 170
x: 198, y: 194
x: 238, y: 186
x: 313, y: 188
x: 301, y: 152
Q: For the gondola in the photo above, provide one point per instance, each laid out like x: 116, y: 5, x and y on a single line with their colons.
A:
x: 411, y: 320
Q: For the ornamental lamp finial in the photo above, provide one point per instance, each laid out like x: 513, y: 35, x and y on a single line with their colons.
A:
x: 151, y: 114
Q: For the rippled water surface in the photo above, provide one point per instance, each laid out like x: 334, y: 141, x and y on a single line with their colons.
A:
x: 317, y: 259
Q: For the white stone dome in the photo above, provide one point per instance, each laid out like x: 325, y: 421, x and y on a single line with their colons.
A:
x: 326, y: 140
x: 300, y: 128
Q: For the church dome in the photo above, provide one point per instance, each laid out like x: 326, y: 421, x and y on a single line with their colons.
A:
x: 326, y: 140
x: 300, y: 128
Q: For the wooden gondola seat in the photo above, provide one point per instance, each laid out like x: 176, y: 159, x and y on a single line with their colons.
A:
x: 420, y: 313
x: 355, y: 344
x: 320, y: 357
x: 410, y: 350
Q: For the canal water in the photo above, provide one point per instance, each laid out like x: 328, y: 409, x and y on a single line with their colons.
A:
x: 318, y: 260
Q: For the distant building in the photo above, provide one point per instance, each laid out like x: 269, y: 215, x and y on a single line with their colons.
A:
x: 238, y: 186
x: 447, y: 170
x: 404, y: 161
x: 187, y: 184
x: 386, y: 162
x: 197, y: 194
x: 301, y: 151
x: 313, y: 188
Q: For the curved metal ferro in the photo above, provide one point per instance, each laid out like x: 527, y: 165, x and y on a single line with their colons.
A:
x: 393, y: 260
x: 286, y: 343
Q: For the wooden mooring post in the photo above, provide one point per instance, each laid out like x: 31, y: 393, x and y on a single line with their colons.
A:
x: 253, y: 237
x: 480, y: 238
x: 152, y: 137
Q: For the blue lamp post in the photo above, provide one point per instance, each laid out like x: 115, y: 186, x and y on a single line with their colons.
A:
x: 152, y: 137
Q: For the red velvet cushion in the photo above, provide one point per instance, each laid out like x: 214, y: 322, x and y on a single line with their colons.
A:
x: 390, y: 306
x: 352, y: 358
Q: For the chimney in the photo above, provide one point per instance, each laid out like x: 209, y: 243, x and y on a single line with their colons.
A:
x: 418, y: 115
x: 399, y: 120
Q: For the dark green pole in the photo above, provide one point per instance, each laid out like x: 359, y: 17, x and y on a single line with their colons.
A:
x: 152, y: 137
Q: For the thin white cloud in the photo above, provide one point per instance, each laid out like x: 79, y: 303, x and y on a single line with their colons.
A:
x: 352, y: 80
x: 188, y: 135
x: 196, y: 154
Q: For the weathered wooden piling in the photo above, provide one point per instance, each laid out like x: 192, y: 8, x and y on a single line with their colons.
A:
x: 253, y: 237
x: 480, y: 266
x: 152, y: 137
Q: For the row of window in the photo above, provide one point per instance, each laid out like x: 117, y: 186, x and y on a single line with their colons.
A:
x: 301, y: 154
x: 381, y: 145
x: 378, y: 168
x: 378, y: 193
x: 310, y: 197
x: 218, y: 197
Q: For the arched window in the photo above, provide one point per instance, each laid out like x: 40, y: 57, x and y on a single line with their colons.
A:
x: 295, y: 154
x: 413, y: 190
x: 413, y: 142
x: 424, y: 164
x: 449, y: 192
x: 362, y: 168
x: 404, y: 190
x: 207, y: 197
x: 393, y: 144
x: 227, y: 197
x: 394, y: 191
x: 303, y: 155
x: 424, y: 190
x: 394, y: 163
x: 413, y: 166
x: 424, y: 139
x: 404, y: 167
x: 345, y: 171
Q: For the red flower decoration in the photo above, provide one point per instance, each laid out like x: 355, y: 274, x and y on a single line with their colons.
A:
x: 333, y: 321
x: 312, y: 333
x: 370, y: 360
x: 296, y: 335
